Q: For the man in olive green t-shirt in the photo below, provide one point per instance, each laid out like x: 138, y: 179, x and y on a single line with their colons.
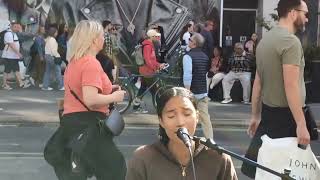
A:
x: 278, y: 94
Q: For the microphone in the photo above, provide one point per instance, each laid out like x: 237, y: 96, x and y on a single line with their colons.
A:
x: 183, y: 135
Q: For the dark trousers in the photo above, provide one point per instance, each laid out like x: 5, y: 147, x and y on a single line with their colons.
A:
x: 37, y: 69
x: 95, y: 148
x: 276, y: 123
x: 145, y: 84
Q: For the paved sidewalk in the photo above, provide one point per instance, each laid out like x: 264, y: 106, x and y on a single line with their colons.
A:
x: 36, y: 106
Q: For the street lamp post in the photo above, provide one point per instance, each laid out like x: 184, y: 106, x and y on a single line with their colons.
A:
x: 221, y: 21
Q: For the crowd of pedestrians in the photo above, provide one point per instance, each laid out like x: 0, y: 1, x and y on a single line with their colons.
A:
x: 204, y: 64
x: 42, y: 60
x: 48, y: 54
x: 278, y: 93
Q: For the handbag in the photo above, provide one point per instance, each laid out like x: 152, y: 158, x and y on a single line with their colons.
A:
x: 114, y: 123
x: 311, y: 123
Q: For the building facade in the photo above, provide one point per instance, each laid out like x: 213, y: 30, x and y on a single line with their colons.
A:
x: 243, y: 17
x: 238, y: 17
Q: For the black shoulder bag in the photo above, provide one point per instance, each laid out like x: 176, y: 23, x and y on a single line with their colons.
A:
x: 114, y: 122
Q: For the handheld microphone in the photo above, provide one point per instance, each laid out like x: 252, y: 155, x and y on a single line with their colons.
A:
x: 183, y: 135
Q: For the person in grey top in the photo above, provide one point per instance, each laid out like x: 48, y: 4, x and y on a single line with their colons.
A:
x: 278, y: 96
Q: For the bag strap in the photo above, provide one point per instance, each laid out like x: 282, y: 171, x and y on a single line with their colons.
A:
x: 77, y: 97
x: 7, y: 44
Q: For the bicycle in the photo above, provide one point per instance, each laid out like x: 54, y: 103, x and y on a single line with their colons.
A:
x: 127, y: 84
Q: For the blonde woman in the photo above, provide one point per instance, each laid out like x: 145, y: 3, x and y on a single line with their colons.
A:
x: 93, y: 145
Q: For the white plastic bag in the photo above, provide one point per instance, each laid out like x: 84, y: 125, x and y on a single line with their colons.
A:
x: 284, y: 153
x: 22, y: 68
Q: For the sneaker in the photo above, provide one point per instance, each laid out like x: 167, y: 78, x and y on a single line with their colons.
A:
x: 226, y: 101
x: 7, y: 87
x: 32, y: 81
x: 138, y: 84
x: 140, y: 110
x: 136, y: 101
x: 245, y: 102
x: 40, y: 85
x: 61, y: 89
x: 25, y: 85
x: 47, y: 89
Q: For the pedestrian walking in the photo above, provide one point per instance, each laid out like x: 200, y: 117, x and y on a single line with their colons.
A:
x: 148, y: 70
x: 53, y: 61
x: 185, y: 35
x: 279, y: 92
x: 195, y: 66
x: 93, y: 152
x: 206, y: 32
x: 11, y: 56
x: 37, y: 52
x: 62, y: 38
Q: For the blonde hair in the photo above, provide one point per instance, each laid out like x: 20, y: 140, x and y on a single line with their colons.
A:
x: 83, y: 36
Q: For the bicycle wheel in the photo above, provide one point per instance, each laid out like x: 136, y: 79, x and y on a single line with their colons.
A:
x: 123, y: 106
x: 158, y: 93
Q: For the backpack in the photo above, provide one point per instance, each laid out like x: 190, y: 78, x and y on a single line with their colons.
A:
x: 138, y: 55
x: 2, y: 44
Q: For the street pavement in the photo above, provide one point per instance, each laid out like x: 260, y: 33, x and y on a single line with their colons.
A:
x: 28, y: 117
x: 21, y: 147
x: 36, y: 106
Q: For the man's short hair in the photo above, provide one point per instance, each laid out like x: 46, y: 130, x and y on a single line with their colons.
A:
x: 105, y: 23
x: 208, y: 22
x: 198, y: 39
x: 285, y: 6
x: 239, y: 45
x: 14, y: 23
x: 51, y: 31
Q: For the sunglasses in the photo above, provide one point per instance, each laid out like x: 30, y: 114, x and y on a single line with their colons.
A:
x: 306, y: 14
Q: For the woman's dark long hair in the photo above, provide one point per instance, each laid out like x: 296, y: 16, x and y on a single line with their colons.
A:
x: 184, y: 30
x: 162, y: 101
x: 61, y: 30
x: 220, y: 51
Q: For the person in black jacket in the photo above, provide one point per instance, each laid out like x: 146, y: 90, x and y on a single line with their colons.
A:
x: 107, y: 65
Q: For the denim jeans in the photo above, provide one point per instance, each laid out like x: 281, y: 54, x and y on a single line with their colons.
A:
x: 47, y: 74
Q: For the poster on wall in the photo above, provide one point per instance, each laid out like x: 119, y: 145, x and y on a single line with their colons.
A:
x: 131, y: 17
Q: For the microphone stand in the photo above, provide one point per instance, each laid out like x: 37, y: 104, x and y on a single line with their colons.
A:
x: 212, y: 145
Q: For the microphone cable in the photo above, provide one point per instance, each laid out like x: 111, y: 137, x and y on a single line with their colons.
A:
x: 184, y: 136
x: 193, y: 168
